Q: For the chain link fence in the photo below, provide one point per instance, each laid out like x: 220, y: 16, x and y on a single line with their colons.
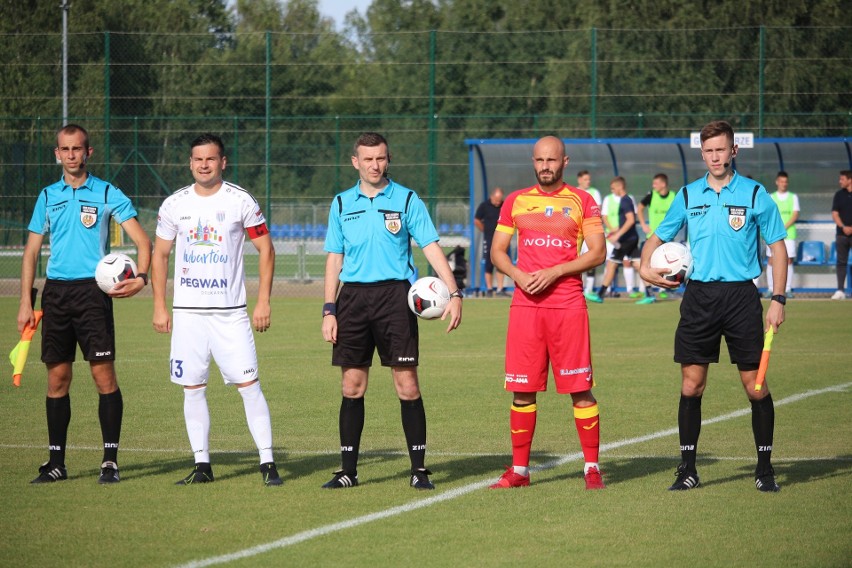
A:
x: 289, y: 106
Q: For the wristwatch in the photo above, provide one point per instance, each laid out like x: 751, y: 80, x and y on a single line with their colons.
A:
x: 780, y: 299
x: 457, y: 294
x: 144, y: 277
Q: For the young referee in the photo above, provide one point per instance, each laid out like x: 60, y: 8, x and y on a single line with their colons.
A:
x: 725, y: 214
x: 370, y: 228
x: 77, y: 211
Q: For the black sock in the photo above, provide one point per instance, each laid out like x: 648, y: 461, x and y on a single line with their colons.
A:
x: 110, y: 412
x: 414, y: 425
x: 58, y: 418
x: 763, y: 426
x: 689, y: 425
x: 602, y: 291
x: 351, y: 426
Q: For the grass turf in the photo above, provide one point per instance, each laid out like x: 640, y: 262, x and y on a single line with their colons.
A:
x: 148, y: 521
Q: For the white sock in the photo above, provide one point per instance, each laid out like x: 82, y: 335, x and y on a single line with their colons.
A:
x: 642, y: 286
x: 790, y: 278
x: 590, y: 465
x: 197, y: 417
x: 257, y: 416
x: 630, y: 278
x: 769, y: 279
x: 521, y: 470
x: 590, y: 284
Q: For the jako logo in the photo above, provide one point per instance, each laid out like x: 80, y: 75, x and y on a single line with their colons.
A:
x: 547, y: 242
x: 248, y: 371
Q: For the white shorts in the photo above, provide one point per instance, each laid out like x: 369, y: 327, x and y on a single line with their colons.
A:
x: 791, y: 249
x: 609, y: 248
x: 227, y: 337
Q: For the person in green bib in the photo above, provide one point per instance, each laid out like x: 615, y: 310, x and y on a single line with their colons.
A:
x: 651, y: 211
x: 788, y: 206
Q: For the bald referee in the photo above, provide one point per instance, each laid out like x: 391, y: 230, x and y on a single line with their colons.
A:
x: 370, y: 228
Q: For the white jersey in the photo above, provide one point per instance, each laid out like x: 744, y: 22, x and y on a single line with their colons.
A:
x: 209, y: 233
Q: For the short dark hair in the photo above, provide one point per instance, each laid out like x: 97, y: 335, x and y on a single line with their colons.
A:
x: 370, y: 140
x: 621, y: 180
x: 782, y: 174
x: 208, y: 138
x: 717, y: 128
x: 663, y: 177
x: 582, y: 173
x: 74, y: 129
x: 846, y: 173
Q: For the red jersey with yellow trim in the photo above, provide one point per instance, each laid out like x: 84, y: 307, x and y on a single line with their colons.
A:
x: 551, y: 229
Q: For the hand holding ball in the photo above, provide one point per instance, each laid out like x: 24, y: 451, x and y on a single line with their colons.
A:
x: 428, y: 297
x: 676, y: 258
x: 112, y: 269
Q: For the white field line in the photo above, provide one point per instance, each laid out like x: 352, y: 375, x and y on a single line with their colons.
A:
x: 465, y: 489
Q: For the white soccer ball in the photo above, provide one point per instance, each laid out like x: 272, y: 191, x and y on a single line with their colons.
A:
x: 428, y: 297
x: 112, y: 269
x: 677, y: 258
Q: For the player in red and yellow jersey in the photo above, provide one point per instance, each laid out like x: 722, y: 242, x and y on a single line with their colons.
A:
x: 548, y: 319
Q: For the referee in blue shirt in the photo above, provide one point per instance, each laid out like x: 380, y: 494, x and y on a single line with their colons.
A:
x: 725, y: 214
x: 76, y: 212
x: 370, y: 228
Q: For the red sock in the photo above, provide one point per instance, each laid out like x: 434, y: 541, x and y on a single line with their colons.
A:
x: 522, y: 422
x: 588, y: 428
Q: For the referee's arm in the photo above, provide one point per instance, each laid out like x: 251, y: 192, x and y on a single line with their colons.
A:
x: 435, y: 255
x: 333, y: 264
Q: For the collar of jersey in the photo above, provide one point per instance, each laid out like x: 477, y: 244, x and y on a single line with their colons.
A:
x: 729, y: 186
x: 385, y: 191
x: 84, y: 185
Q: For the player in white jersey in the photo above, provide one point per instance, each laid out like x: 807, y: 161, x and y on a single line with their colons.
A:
x: 208, y: 222
x: 584, y: 182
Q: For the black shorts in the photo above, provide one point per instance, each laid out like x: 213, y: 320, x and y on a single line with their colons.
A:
x: 375, y: 316
x: 710, y: 310
x: 625, y: 249
x: 76, y: 312
x: 486, y: 256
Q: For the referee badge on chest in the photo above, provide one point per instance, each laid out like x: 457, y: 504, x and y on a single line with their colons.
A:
x: 736, y: 217
x: 392, y: 222
x: 88, y: 215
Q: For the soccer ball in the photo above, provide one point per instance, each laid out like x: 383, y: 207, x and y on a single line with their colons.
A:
x: 428, y: 297
x: 676, y: 257
x: 112, y: 269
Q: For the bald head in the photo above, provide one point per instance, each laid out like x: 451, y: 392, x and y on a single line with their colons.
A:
x: 549, y: 162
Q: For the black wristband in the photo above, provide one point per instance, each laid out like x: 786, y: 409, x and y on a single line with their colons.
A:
x: 780, y: 299
x: 329, y: 309
x: 144, y: 277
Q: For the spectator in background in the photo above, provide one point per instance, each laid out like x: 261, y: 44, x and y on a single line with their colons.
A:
x: 841, y: 213
x: 624, y: 239
x: 584, y: 182
x: 656, y: 203
x: 788, y: 206
x: 485, y: 220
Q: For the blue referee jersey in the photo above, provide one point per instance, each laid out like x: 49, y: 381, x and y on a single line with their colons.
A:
x: 724, y: 229
x: 78, y: 221
x: 374, y: 235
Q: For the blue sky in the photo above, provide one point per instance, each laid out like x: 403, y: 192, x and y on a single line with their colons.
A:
x: 337, y: 9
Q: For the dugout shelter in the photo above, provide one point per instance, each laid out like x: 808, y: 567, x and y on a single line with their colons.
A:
x: 812, y: 163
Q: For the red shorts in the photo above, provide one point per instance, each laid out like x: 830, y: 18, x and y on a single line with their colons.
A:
x: 537, y: 336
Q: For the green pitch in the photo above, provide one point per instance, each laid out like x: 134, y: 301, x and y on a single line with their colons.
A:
x: 148, y: 521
